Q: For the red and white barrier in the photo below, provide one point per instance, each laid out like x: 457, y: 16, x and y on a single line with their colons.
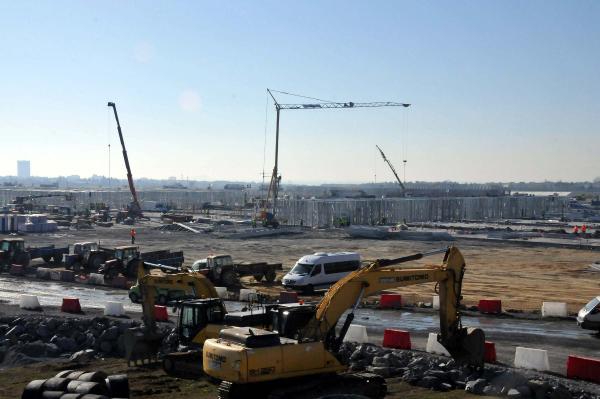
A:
x: 113, y: 309
x: 357, y: 333
x: 433, y: 346
x: 70, y: 305
x: 583, y: 368
x: 397, y: 339
x: 160, y: 313
x: 490, y: 306
x: 554, y: 309
x: 533, y: 359
x: 490, y: 352
x: 390, y: 301
x: 29, y: 302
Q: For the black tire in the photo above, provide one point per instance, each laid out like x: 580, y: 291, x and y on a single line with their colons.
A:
x: 47, y: 258
x: 229, y: 278
x: 94, y: 376
x: 72, y: 387
x: 270, y: 275
x: 64, y: 373
x: 161, y: 300
x: 135, y: 298
x: 76, y: 267
x: 33, y: 390
x: 22, y: 259
x: 95, y: 261
x: 75, y: 375
x: 52, y: 394
x: 94, y: 396
x: 56, y: 384
x: 92, y: 388
x: 71, y: 396
x: 118, y: 385
x: 168, y: 365
x: 258, y: 277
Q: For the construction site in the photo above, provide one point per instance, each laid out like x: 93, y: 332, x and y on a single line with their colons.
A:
x: 440, y: 285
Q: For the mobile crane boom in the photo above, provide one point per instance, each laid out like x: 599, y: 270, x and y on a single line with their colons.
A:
x: 135, y: 209
x: 392, y: 168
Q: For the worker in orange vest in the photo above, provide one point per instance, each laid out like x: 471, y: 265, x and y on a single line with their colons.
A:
x: 132, y: 233
x: 576, y: 229
x: 583, y: 229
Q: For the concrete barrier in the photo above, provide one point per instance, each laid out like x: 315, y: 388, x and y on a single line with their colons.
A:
x: 435, y: 302
x: 222, y: 292
x: 357, y: 333
x: 62, y: 275
x: 534, y: 359
x: 247, y: 294
x: 96, y: 279
x: 490, y: 306
x: 288, y: 297
x: 433, y: 346
x: 70, y: 305
x: 29, y: 302
x: 113, y: 309
x: 583, y: 368
x: 397, y: 339
x: 554, y: 309
x: 43, y: 273
x: 390, y: 301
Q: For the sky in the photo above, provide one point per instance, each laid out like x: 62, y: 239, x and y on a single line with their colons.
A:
x: 500, y: 90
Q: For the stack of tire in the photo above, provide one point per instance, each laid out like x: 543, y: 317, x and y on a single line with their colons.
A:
x: 71, y: 384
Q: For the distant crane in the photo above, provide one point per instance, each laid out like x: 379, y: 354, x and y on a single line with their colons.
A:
x: 268, y: 217
x: 134, y: 210
x: 393, y: 169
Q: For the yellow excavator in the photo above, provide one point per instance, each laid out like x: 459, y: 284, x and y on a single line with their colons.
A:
x: 261, y: 361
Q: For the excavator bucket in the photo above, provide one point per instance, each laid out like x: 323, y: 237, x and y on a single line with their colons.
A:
x: 142, y: 346
x: 468, y: 347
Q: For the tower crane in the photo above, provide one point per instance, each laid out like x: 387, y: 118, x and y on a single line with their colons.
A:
x: 268, y: 216
x: 393, y: 169
x: 135, y: 210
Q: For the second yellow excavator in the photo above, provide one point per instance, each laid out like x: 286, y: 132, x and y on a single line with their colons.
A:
x: 256, y: 360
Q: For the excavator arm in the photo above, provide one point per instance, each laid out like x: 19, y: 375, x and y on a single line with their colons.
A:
x: 465, y: 345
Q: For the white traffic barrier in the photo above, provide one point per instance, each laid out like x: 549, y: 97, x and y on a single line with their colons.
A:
x: 357, y: 333
x: 247, y: 294
x: 433, y: 346
x: 29, y: 302
x: 436, y: 302
x: 554, y: 309
x: 96, y: 279
x: 222, y: 292
x: 113, y: 309
x: 533, y: 359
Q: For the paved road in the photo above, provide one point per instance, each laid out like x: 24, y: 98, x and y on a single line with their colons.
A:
x: 559, y: 337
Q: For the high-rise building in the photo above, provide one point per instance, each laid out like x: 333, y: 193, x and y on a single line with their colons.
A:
x: 23, y: 169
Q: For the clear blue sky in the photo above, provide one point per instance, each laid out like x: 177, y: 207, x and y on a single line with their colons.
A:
x: 501, y: 90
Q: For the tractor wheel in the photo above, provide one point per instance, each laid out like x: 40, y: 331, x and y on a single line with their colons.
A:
x: 229, y: 278
x: 162, y: 299
x: 258, y: 277
x: 270, y: 275
x: 94, y: 262
x: 47, y: 258
x: 23, y: 259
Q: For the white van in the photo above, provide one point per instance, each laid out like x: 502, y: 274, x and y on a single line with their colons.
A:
x: 589, y: 316
x: 320, y: 270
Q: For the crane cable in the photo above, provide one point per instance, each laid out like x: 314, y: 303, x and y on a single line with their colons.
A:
x: 301, y: 96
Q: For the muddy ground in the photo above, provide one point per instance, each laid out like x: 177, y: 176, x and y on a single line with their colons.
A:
x: 522, y: 277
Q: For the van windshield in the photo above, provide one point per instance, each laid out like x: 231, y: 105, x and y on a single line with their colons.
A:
x: 592, y: 304
x: 301, y: 268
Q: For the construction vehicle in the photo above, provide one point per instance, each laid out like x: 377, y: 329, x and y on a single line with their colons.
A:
x: 134, y: 210
x: 221, y: 270
x: 251, y: 361
x: 393, y: 170
x: 88, y: 256
x: 14, y: 252
x: 125, y: 261
x: 201, y: 316
x: 24, y: 204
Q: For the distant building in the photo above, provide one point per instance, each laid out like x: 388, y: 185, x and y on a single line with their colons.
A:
x: 23, y: 169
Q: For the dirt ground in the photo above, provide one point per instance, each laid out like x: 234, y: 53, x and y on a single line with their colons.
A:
x: 153, y: 383
x: 522, y: 277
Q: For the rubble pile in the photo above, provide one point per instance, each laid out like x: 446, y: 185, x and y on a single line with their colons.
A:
x: 25, y: 340
x: 442, y: 374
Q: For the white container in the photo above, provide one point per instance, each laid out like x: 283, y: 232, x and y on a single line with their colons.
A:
x: 357, y: 333
x: 222, y: 292
x: 533, y: 359
x: 247, y: 294
x: 29, y: 302
x: 433, y: 346
x: 554, y: 309
x: 436, y: 302
x: 113, y: 309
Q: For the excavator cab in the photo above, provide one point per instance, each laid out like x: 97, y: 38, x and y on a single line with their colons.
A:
x: 288, y: 320
x: 195, y: 315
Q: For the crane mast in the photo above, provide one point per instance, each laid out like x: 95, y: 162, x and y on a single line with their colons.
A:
x: 135, y: 210
x: 269, y: 217
x: 392, y: 168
